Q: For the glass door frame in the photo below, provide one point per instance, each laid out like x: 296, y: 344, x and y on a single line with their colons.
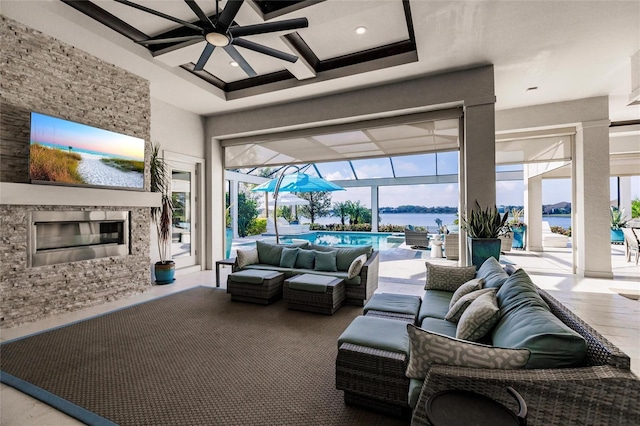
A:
x: 195, y: 165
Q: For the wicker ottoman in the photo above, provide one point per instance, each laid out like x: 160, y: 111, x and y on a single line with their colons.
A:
x: 373, y: 354
x: 314, y: 293
x: 255, y: 285
x: 402, y: 307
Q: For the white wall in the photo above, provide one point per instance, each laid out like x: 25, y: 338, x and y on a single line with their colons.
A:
x: 179, y: 131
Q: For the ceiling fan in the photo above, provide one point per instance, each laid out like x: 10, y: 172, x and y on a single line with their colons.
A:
x: 219, y: 32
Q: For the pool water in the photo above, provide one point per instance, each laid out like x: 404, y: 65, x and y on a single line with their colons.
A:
x: 379, y: 240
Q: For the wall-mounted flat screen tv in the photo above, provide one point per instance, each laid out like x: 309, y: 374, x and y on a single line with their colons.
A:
x: 66, y: 153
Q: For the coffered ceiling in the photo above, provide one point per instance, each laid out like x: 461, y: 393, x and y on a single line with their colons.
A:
x: 566, y: 50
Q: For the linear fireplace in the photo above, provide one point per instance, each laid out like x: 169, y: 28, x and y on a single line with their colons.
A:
x: 70, y: 236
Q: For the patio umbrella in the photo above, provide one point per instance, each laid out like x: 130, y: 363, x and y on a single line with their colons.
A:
x: 294, y: 182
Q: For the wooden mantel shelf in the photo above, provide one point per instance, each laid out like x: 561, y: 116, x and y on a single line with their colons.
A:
x: 53, y: 195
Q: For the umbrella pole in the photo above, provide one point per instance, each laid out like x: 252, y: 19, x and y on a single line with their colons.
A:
x: 275, y: 200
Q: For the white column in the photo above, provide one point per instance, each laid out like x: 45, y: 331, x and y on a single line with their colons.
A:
x: 591, y: 231
x: 625, y: 195
x: 478, y: 153
x: 533, y: 210
x: 374, y: 209
x: 233, y: 199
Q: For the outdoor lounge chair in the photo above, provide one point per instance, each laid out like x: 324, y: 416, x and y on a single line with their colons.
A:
x: 631, y: 243
x: 416, y: 238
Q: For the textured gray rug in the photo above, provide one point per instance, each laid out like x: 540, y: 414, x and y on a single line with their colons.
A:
x: 192, y: 358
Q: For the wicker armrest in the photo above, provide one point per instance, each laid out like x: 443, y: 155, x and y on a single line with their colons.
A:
x: 602, y: 395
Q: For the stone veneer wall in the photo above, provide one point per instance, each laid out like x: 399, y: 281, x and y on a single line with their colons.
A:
x: 39, y: 73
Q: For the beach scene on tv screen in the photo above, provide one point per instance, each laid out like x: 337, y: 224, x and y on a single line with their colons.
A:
x: 71, y: 153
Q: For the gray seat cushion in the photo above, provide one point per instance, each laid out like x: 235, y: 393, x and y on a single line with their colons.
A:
x: 435, y: 304
x: 311, y: 282
x: 397, y: 303
x: 377, y: 333
x: 439, y: 326
x: 253, y: 276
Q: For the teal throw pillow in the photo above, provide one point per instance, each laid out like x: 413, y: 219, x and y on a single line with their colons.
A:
x: 325, y: 261
x: 305, y: 259
x: 288, y: 258
x: 492, y: 273
x: 269, y: 254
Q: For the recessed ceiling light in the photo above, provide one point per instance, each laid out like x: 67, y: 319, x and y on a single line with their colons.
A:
x: 234, y: 64
x: 361, y: 30
x: 532, y: 88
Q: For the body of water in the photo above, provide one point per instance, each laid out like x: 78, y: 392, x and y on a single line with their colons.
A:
x: 379, y: 240
x: 429, y: 219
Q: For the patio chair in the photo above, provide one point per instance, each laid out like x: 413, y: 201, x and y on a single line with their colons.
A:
x: 415, y: 238
x: 551, y: 239
x: 631, y: 243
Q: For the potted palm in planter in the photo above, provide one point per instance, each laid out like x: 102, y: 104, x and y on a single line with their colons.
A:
x: 618, y: 221
x: 483, y: 228
x: 161, y: 216
x: 518, y: 228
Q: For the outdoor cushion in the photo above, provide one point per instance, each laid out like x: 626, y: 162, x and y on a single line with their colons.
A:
x: 269, y: 253
x: 346, y: 255
x: 377, y: 333
x: 305, y: 259
x: 517, y: 290
x: 551, y: 342
x: 252, y: 276
x: 448, y: 278
x: 247, y: 257
x: 325, y: 261
x: 288, y: 257
x: 311, y: 282
x: 439, y: 326
x: 428, y: 348
x: 398, y: 303
x: 479, y: 317
x: 492, y: 273
x: 458, y: 308
x: 435, y: 304
x: 466, y: 288
x: 356, y: 265
x: 415, y: 387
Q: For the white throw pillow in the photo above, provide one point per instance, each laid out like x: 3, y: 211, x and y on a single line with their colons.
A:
x: 356, y: 266
x: 247, y: 257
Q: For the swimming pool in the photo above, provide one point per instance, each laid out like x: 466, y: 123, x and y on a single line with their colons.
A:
x: 379, y: 240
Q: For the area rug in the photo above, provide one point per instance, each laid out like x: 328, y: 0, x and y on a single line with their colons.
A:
x: 191, y: 358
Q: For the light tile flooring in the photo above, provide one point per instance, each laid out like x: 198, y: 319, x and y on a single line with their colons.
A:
x: 597, y: 301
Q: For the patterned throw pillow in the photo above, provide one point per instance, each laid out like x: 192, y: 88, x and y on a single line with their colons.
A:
x: 448, y: 278
x: 429, y: 348
x: 456, y: 311
x: 356, y: 266
x: 479, y: 317
x: 247, y: 257
x: 466, y: 288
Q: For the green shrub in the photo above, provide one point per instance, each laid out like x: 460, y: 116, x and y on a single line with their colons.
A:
x: 257, y: 226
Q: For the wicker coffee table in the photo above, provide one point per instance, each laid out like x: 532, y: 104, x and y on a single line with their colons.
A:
x: 314, y: 293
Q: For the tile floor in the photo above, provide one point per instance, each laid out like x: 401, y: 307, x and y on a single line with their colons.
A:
x: 597, y: 301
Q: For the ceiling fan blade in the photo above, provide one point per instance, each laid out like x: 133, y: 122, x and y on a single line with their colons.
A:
x: 196, y: 9
x: 169, y: 40
x: 269, y: 27
x: 228, y: 14
x: 206, y: 53
x: 236, y: 56
x: 160, y: 14
x: 264, y: 49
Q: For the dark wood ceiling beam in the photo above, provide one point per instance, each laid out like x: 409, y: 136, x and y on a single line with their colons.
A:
x: 107, y: 19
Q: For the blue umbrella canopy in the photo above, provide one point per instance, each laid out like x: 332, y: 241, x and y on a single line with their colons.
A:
x: 298, y: 182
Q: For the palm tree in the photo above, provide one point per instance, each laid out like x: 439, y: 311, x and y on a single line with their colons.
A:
x: 340, y: 210
x: 356, y: 211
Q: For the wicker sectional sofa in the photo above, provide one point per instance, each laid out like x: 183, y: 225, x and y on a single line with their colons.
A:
x: 360, y: 283
x: 570, y: 374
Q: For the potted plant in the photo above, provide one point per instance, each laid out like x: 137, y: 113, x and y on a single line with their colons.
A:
x: 483, y: 226
x: 161, y: 216
x: 518, y: 228
x: 618, y: 221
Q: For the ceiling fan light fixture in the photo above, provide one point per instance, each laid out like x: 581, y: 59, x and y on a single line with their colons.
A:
x: 361, y: 30
x: 234, y: 64
x: 217, y: 39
